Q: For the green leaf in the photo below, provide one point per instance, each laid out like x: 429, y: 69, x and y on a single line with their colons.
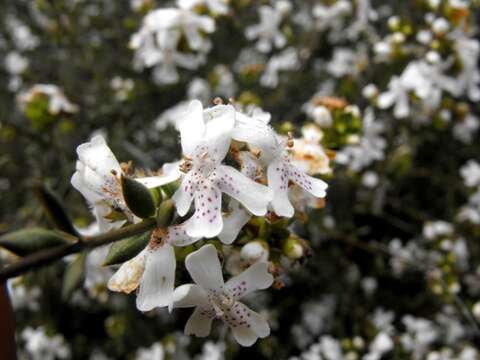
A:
x: 29, y: 241
x: 126, y: 249
x: 74, y: 276
x: 55, y: 212
x: 138, y: 198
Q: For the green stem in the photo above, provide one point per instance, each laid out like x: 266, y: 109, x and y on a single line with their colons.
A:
x: 49, y: 255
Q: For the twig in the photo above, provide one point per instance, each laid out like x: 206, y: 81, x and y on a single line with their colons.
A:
x: 49, y: 255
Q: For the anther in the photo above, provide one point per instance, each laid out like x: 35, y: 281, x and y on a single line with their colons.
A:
x: 290, y: 141
x: 218, y: 101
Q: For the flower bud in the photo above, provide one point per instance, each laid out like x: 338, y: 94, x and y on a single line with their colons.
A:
x: 440, y: 26
x: 255, y: 251
x: 322, y: 116
x: 294, y: 248
x: 137, y: 197
x: 476, y: 310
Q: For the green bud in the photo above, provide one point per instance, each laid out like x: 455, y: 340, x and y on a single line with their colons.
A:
x: 165, y: 213
x: 293, y: 248
x: 126, y: 249
x: 138, y: 198
x: 29, y: 241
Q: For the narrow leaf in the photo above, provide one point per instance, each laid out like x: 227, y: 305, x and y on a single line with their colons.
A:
x: 74, y: 276
x: 29, y: 241
x: 55, y: 211
x: 126, y: 249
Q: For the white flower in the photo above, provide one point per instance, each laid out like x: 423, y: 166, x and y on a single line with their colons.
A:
x: 205, y: 138
x: 345, y: 62
x: 287, y: 60
x: 466, y: 129
x: 381, y: 344
x: 215, y: 6
x: 23, y: 297
x: 280, y: 169
x: 469, y: 53
x: 370, y: 148
x: 237, y: 216
x: 152, y: 271
x: 471, y: 173
x: 15, y: 63
x: 97, y: 178
x: 215, y: 299
x: 308, y: 154
x: 397, y: 95
x: 331, y: 17
x: 436, y: 229
x: 57, y: 101
x: 267, y: 31
x: 40, y: 346
x: 154, y: 352
x: 156, y: 42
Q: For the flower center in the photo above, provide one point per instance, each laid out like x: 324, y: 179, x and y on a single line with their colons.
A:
x: 221, y: 303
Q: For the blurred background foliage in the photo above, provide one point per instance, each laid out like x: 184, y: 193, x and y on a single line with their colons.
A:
x: 82, y: 47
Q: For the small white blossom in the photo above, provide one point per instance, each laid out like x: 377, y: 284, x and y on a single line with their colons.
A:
x: 156, y: 43
x: 57, y: 101
x: 267, y: 31
x: 40, y: 346
x: 280, y: 168
x: 215, y: 299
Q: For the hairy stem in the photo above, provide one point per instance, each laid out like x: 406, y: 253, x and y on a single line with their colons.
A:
x: 49, y: 255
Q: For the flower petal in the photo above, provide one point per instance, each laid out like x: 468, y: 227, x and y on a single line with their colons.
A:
x: 127, y: 277
x: 177, y: 236
x: 205, y: 269
x: 255, y: 132
x: 171, y: 172
x: 278, y: 181
x: 247, y: 325
x: 198, y: 324
x: 184, y: 195
x: 256, y: 277
x: 156, y: 286
x: 314, y: 186
x: 206, y: 221
x: 254, y: 196
x: 233, y: 222
x: 189, y: 295
x: 97, y: 155
x: 191, y: 127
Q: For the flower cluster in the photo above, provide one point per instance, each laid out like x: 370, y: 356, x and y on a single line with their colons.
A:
x: 267, y: 163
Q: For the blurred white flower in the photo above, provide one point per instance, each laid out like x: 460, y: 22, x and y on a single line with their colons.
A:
x: 267, y: 31
x: 154, y: 352
x: 287, y: 60
x: 156, y: 43
x: 215, y: 6
x: 57, y: 101
x: 40, y: 346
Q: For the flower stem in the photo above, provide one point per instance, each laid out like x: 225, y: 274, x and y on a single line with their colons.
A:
x: 47, y: 256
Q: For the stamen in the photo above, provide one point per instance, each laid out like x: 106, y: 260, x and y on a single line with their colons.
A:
x: 218, y: 101
x: 186, y: 165
x: 290, y: 142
